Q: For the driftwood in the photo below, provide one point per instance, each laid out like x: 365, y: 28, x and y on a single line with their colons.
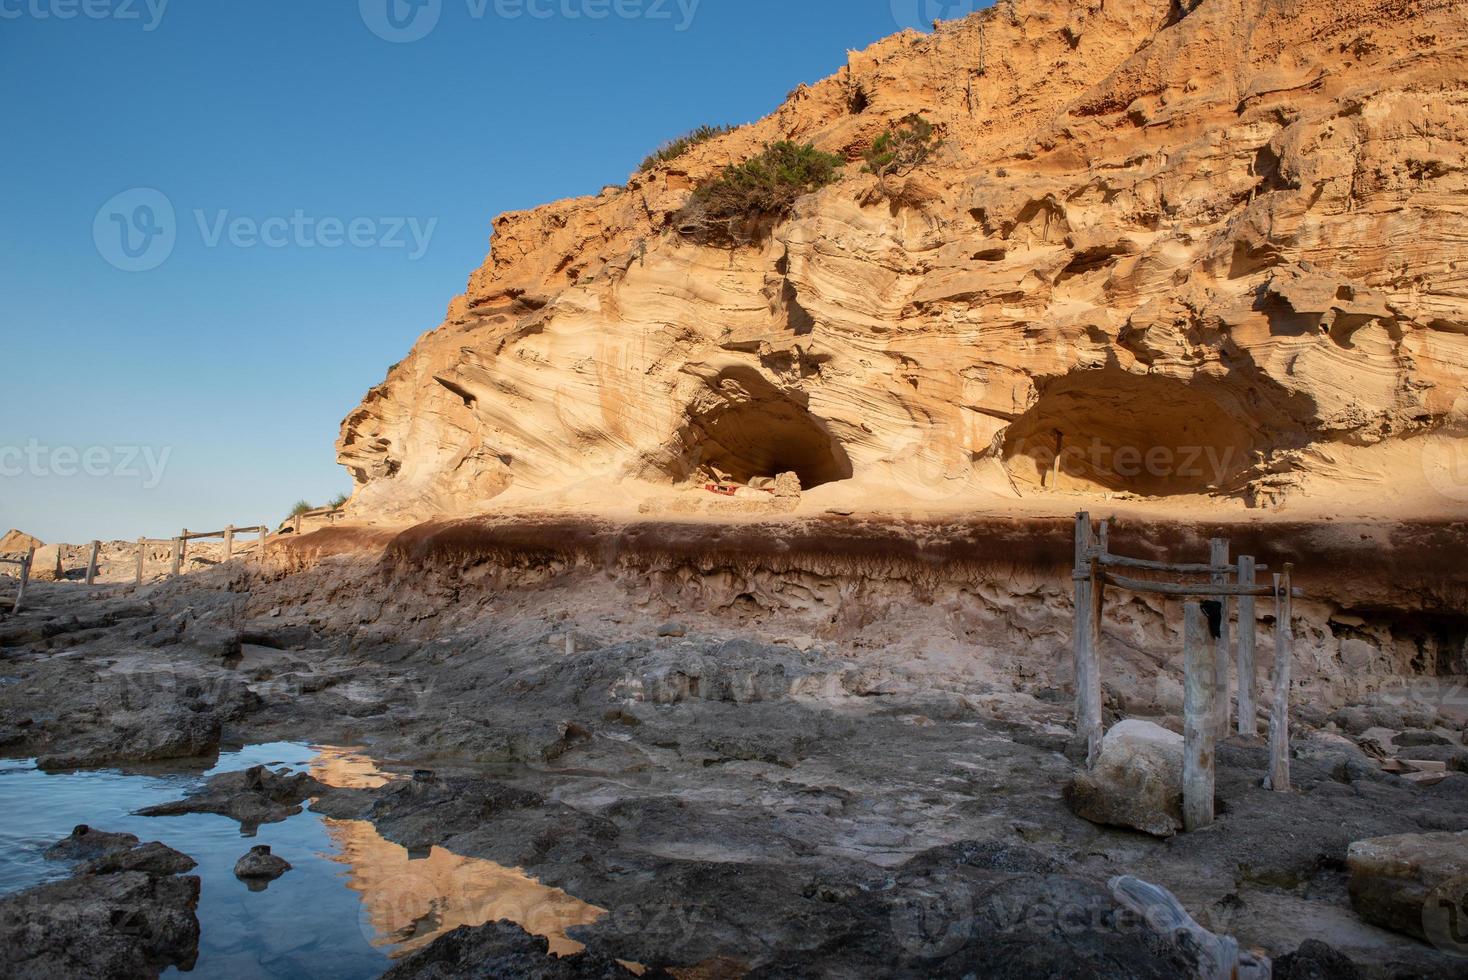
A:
x: 1219, y: 957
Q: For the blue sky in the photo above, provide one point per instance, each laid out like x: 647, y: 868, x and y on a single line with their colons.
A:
x: 332, y: 172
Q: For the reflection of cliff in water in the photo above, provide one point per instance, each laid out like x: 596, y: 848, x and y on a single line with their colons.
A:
x: 407, y: 902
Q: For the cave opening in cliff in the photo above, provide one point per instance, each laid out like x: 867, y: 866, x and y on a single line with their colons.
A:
x: 1114, y: 431
x: 744, y: 428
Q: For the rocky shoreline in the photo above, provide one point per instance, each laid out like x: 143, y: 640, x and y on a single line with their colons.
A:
x: 744, y: 792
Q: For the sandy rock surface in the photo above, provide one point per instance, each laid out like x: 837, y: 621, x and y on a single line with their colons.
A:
x: 1213, y: 249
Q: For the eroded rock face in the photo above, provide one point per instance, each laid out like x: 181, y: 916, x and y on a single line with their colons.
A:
x: 1203, y: 249
x: 1137, y: 782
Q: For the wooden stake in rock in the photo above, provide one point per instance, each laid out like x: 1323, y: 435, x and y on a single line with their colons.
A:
x: 142, y: 551
x: 1248, y: 686
x: 1219, y: 560
x: 228, y: 542
x: 1279, y: 717
x: 1087, y: 679
x: 264, y: 541
x: 1199, y: 717
x: 25, y: 577
x: 92, y: 562
x: 177, y: 555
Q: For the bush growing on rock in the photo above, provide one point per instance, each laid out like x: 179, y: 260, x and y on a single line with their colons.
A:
x: 674, y: 149
x: 744, y: 198
x: 903, y: 148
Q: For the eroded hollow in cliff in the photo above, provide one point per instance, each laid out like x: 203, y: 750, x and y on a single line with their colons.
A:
x: 1115, y: 431
x: 743, y: 427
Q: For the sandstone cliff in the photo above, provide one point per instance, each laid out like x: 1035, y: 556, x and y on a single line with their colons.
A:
x: 1213, y: 251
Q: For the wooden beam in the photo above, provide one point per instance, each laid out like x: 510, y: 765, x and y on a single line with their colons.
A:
x: 92, y: 563
x: 1279, y: 716
x: 228, y: 542
x: 1248, y: 684
x: 1199, y: 717
x: 142, y: 550
x: 1147, y: 565
x: 1219, y: 558
x: 177, y: 556
x: 1086, y: 577
x: 25, y: 578
x: 1201, y: 590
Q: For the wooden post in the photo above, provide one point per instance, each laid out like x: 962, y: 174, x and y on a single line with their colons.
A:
x: 92, y: 562
x: 228, y: 542
x: 264, y: 541
x: 177, y: 555
x: 142, y: 551
x: 1248, y: 686
x: 1279, y: 717
x: 25, y: 577
x: 60, y: 570
x: 1199, y: 717
x: 298, y: 524
x: 1087, y: 679
x: 183, y: 547
x: 1219, y: 560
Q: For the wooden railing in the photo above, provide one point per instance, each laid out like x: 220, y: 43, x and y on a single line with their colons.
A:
x: 330, y: 513
x: 25, y: 575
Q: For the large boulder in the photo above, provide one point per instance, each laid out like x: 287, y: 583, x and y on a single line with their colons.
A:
x: 1415, y: 884
x: 1137, y: 782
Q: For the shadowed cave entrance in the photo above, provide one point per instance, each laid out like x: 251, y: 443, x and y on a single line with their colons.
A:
x: 744, y: 427
x: 1141, y: 434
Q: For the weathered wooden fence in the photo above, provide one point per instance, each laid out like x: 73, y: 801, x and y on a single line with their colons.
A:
x: 25, y: 575
x: 1207, y: 653
x: 177, y: 547
x: 330, y: 513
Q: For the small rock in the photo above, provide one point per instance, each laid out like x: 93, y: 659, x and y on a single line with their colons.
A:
x: 153, y: 858
x: 1314, y: 960
x: 259, y: 867
x: 1137, y: 782
x: 86, y: 843
x: 672, y: 629
x: 1415, y: 737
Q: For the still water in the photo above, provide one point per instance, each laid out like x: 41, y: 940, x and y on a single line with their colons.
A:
x: 352, y: 903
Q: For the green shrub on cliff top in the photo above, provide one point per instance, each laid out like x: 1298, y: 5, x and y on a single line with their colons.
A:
x: 674, y: 149
x: 763, y: 187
